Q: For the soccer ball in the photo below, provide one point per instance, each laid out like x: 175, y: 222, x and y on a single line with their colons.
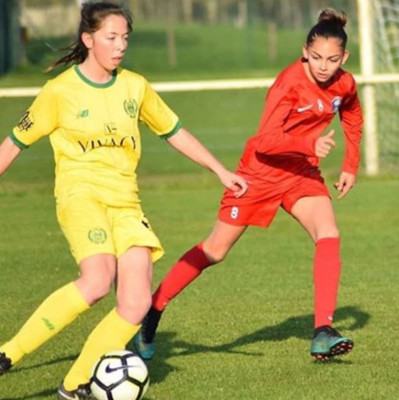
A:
x: 119, y: 375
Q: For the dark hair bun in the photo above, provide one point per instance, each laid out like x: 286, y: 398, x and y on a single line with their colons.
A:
x: 330, y: 16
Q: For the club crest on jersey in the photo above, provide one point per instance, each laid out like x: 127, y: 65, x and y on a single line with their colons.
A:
x: 131, y: 107
x: 320, y: 105
x: 26, y: 122
x: 336, y: 103
x: 97, y: 235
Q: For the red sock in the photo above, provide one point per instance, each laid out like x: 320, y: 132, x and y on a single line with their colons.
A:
x: 190, y: 265
x: 327, y: 268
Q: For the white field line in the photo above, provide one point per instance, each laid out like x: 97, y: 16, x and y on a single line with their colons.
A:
x: 189, y: 86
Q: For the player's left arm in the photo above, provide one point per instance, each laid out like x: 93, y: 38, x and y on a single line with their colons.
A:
x: 162, y: 121
x: 345, y: 183
x: 351, y: 116
x: 184, y: 142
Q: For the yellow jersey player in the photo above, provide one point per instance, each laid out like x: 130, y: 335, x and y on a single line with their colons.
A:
x: 91, y: 113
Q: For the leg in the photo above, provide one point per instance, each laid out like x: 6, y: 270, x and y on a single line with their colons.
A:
x: 212, y: 251
x: 113, y: 332
x: 134, y: 284
x: 62, y: 307
x: 316, y: 215
x: 56, y: 312
x: 97, y: 274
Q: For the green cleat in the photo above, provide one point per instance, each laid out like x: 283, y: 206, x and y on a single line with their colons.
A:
x: 143, y: 341
x: 145, y: 350
x: 328, y: 342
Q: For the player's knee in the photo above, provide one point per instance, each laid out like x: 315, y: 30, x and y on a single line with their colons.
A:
x: 215, y: 255
x: 327, y: 233
x: 135, y: 308
x: 95, y: 289
x: 102, y: 289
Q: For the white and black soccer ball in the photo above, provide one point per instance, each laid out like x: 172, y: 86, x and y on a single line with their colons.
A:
x: 119, y: 375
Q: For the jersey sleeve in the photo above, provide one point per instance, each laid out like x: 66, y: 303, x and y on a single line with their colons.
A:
x: 273, y: 139
x: 41, y: 119
x: 352, y: 122
x: 157, y: 115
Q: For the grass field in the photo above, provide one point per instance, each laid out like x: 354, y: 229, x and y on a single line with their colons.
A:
x: 242, y: 331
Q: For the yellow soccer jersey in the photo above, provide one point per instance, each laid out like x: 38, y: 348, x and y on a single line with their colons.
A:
x: 94, y: 133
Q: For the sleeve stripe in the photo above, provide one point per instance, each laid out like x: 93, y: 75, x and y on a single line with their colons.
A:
x: 18, y: 143
x: 172, y: 132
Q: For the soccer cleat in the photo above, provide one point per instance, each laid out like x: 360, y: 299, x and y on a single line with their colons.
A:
x: 5, y: 363
x: 81, y: 393
x: 328, y: 342
x: 143, y: 341
x: 145, y: 350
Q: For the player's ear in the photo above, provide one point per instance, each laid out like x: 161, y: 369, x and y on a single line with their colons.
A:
x: 87, y: 40
x: 305, y: 52
x: 345, y: 57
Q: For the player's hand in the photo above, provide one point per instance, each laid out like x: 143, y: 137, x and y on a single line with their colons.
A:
x: 324, y: 144
x: 345, y: 183
x: 234, y: 182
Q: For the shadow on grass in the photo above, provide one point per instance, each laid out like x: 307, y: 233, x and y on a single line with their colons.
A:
x: 346, y: 319
x: 15, y: 370
x: 44, y: 393
x: 39, y: 395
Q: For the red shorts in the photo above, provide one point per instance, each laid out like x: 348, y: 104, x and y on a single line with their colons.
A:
x: 259, y: 205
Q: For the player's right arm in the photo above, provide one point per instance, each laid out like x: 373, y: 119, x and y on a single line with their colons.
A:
x: 40, y: 120
x: 8, y: 153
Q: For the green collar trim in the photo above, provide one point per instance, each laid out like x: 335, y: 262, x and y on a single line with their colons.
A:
x: 94, y: 84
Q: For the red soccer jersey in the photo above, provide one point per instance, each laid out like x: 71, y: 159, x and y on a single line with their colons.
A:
x: 296, y: 113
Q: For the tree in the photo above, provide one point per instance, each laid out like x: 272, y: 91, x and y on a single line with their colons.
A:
x: 187, y: 9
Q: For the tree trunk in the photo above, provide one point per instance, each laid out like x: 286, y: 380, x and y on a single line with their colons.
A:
x: 134, y: 7
x: 187, y: 11
x: 272, y: 41
x: 171, y: 33
x: 212, y: 11
x: 242, y: 17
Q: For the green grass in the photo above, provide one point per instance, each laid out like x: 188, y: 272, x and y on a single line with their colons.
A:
x: 242, y: 331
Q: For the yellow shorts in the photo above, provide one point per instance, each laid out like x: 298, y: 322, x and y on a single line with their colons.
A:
x: 94, y: 228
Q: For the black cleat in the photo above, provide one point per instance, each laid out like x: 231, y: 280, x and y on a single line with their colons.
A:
x: 83, y: 392
x: 5, y: 363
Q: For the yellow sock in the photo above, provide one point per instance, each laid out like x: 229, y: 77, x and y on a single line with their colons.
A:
x: 112, y: 333
x: 56, y: 312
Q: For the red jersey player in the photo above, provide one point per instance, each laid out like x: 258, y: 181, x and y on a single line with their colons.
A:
x: 280, y: 164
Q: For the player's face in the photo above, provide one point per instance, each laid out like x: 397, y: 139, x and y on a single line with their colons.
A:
x: 108, y: 45
x: 325, y: 57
